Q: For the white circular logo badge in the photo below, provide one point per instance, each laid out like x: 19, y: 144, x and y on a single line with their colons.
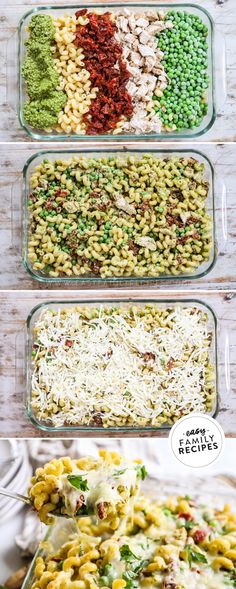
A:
x: 197, y: 440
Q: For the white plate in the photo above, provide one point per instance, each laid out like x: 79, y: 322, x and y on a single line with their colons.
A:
x: 12, y: 507
x: 8, y: 450
x: 16, y: 484
x: 22, y: 475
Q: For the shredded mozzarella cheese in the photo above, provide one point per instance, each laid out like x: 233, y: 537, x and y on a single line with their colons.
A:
x: 118, y: 367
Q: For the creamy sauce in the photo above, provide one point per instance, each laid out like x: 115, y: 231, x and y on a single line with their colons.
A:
x: 102, y: 486
x: 206, y: 579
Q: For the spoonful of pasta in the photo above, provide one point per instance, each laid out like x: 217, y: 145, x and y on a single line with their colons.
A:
x: 104, y: 487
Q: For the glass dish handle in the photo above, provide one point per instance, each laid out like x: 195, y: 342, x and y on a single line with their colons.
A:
x: 11, y: 72
x: 16, y: 213
x: 220, y: 71
x: 221, y: 215
x: 20, y: 355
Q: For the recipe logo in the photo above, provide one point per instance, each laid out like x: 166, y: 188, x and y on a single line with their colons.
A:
x: 197, y: 440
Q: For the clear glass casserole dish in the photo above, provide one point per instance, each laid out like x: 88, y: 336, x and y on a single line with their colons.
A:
x: 207, y: 120
x: 207, y: 491
x: 159, y: 303
x: 99, y: 152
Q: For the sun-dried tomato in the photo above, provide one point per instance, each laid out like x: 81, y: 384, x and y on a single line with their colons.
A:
x: 174, y: 220
x: 108, y: 72
x: 48, y: 204
x: 199, y: 536
x: 149, y: 356
x: 133, y: 247
x: 60, y: 192
x: 170, y: 364
x: 145, y: 206
x: 185, y: 515
x: 96, y: 267
x: 182, y: 239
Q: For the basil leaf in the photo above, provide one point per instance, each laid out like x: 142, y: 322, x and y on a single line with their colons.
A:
x: 131, y: 575
x: 127, y: 554
x: 137, y: 569
x: 117, y: 473
x: 78, y: 482
x: 131, y: 583
x: 141, y: 472
x: 194, y: 556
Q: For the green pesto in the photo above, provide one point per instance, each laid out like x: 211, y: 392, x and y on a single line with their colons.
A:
x: 41, y: 78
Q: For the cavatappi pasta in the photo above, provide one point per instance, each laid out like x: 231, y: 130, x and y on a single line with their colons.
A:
x: 105, y: 487
x: 128, y: 365
x: 118, y: 217
x: 172, y: 544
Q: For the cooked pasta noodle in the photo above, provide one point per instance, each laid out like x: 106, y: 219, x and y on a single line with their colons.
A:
x: 172, y: 549
x: 119, y: 217
x: 105, y: 487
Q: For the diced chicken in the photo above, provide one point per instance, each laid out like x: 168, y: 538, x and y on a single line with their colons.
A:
x: 132, y: 22
x: 142, y: 22
x: 130, y: 39
x: 155, y: 28
x: 123, y: 24
x: 144, y: 38
x: 147, y: 242
x: 146, y: 50
x: 123, y: 204
x: 142, y: 91
x: 71, y: 206
x: 135, y: 58
x: 132, y: 88
x: 143, y: 61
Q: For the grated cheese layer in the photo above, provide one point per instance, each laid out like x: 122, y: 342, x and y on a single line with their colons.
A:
x: 129, y: 366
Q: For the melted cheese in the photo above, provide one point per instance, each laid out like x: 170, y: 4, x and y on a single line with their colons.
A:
x: 204, y: 579
x: 102, y: 486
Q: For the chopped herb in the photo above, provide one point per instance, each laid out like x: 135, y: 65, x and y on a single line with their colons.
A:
x: 194, y: 556
x: 78, y: 482
x: 117, y: 473
x: 141, y: 472
x: 126, y: 394
x: 60, y: 564
x: 130, y: 575
x: 127, y: 554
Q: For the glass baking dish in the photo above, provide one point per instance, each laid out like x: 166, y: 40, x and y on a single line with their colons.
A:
x: 208, y: 119
x: 206, y: 490
x: 118, y: 302
x: 37, y: 158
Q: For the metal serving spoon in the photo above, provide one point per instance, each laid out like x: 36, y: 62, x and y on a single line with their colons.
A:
x: 14, y: 495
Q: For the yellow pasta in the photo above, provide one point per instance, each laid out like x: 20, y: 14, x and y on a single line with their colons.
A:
x: 105, y: 487
x: 174, y: 550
